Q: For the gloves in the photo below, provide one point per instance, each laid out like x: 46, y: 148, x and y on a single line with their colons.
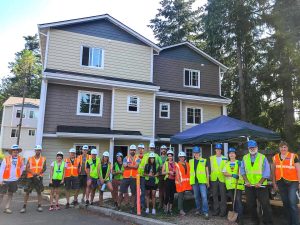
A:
x: 235, y: 176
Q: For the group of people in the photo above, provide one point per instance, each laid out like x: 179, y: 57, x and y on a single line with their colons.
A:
x: 225, y: 177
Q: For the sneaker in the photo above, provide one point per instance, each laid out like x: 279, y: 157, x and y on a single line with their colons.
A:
x: 7, y: 211
x: 197, y: 213
x: 39, y: 209
x: 23, y: 210
x: 74, y: 203
x: 57, y: 207
x: 153, y: 211
x: 206, y: 216
x: 147, y: 210
x: 87, y: 202
x: 182, y: 213
x: 51, y: 208
x: 67, y: 205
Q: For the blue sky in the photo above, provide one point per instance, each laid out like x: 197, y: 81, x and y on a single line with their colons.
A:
x: 19, y: 18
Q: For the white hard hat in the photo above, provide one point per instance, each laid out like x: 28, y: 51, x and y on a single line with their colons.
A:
x: 15, y: 147
x: 106, y: 153
x: 170, y: 152
x: 85, y: 147
x: 152, y: 155
x: 38, y: 147
x: 72, y: 150
x: 60, y: 153
x: 181, y: 154
x: 94, y: 151
x: 163, y: 147
x: 141, y: 146
x: 132, y: 147
x: 152, y: 145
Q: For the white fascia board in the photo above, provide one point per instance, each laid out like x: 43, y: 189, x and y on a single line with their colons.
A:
x: 193, y: 97
x: 97, y: 136
x: 100, y: 81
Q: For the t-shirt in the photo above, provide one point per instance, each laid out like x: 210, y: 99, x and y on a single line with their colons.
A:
x: 219, y: 160
x: 104, y: 168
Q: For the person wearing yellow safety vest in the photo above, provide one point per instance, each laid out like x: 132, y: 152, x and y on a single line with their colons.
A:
x: 131, y: 165
x: 92, y: 171
x: 217, y: 181
x: 162, y: 182
x: 141, y: 148
x: 234, y: 180
x: 83, y: 158
x: 286, y: 179
x: 117, y: 172
x: 151, y: 173
x: 11, y: 169
x: 199, y: 179
x: 255, y: 170
x: 105, y: 171
x: 36, y: 166
x: 57, y: 175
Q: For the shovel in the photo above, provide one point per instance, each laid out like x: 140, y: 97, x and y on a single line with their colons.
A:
x: 232, y: 215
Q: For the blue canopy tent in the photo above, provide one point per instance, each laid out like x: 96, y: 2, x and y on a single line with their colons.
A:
x: 223, y: 129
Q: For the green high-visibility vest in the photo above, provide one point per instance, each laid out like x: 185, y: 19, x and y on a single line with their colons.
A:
x: 106, y: 177
x: 117, y: 169
x: 230, y: 182
x: 216, y: 170
x: 58, y: 171
x: 254, y: 173
x: 144, y: 161
x: 156, y: 178
x: 200, y: 172
x: 94, y: 168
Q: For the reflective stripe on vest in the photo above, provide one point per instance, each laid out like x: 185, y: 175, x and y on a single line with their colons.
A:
x: 94, y: 168
x: 200, y: 171
x: 216, y: 170
x: 58, y: 171
x: 130, y: 172
x: 230, y: 181
x: 182, y: 179
x: 7, y: 170
x: 36, y: 165
x: 72, y: 169
x: 254, y: 173
x: 285, y: 168
x: 117, y: 169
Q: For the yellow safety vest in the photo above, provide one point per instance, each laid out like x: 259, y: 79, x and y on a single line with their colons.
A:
x: 230, y: 181
x: 200, y: 171
x: 254, y: 173
x: 216, y: 170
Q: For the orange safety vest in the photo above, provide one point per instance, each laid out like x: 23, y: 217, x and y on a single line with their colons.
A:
x: 36, y: 166
x: 285, y: 168
x: 72, y: 169
x: 182, y: 178
x: 131, y: 172
x: 8, y: 160
x: 88, y: 157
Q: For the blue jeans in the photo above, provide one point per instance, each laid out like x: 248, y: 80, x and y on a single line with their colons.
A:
x: 200, y: 190
x: 287, y: 191
x: 142, y: 185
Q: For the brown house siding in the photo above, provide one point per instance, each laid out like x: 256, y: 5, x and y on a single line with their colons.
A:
x: 61, y: 108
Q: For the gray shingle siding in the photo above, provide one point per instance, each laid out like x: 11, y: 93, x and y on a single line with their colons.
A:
x: 61, y: 108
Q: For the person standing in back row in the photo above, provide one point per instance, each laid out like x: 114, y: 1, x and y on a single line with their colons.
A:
x: 83, y: 158
x: 162, y: 182
x: 217, y: 164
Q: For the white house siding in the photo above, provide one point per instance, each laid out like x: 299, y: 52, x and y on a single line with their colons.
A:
x: 121, y: 59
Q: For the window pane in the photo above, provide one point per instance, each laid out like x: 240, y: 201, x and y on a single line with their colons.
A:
x: 96, y: 57
x: 84, y: 102
x: 164, y: 114
x: 190, y: 115
x: 198, y: 116
x: 18, y: 115
x: 133, y: 104
x: 31, y: 114
x: 164, y: 107
x: 195, y: 79
x: 132, y: 108
x: 187, y: 78
x: 85, y: 56
x: 95, y: 104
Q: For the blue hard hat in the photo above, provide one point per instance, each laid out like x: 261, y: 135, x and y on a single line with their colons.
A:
x: 231, y: 150
x: 196, y: 149
x: 252, y: 144
x: 218, y: 146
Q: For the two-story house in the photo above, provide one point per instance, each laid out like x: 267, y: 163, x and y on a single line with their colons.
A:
x: 107, y: 86
x: 11, y: 119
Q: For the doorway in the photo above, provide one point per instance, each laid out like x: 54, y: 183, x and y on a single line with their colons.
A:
x: 120, y: 148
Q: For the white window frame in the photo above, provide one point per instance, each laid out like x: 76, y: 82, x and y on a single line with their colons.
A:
x: 88, y: 144
x: 91, y: 47
x: 138, y: 103
x: 191, y: 71
x: 186, y: 115
x: 15, y: 133
x: 91, y: 93
x: 24, y: 113
x: 31, y: 133
x: 160, y: 110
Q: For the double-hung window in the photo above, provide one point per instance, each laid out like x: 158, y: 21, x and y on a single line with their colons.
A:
x: 31, y: 132
x: 31, y: 114
x: 92, y: 57
x: 193, y: 115
x: 192, y: 78
x: 90, y: 103
x: 164, y: 110
x: 18, y: 114
x: 133, y: 104
x: 14, y: 133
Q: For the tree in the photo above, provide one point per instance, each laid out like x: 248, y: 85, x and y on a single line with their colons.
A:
x: 176, y: 22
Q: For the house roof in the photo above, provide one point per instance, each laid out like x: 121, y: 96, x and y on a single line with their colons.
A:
x: 100, y: 17
x: 18, y: 100
x: 193, y: 47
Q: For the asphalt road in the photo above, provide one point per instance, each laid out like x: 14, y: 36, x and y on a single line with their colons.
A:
x: 62, y: 217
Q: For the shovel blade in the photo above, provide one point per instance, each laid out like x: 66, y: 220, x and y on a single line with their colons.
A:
x: 232, y: 216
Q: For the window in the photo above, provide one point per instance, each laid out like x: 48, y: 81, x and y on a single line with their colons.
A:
x: 92, y: 57
x: 14, y: 133
x: 90, y: 103
x: 193, y: 115
x: 79, y: 146
x: 164, y: 110
x: 31, y: 132
x: 31, y: 114
x: 189, y: 153
x: 133, y: 104
x: 192, y: 78
x: 18, y: 115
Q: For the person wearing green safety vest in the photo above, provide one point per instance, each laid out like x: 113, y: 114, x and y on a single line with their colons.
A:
x: 233, y: 181
x: 117, y: 172
x: 255, y: 170
x: 105, y: 181
x: 93, y: 174
x: 217, y: 181
x: 162, y: 182
x: 199, y: 179
x: 57, y: 175
x: 141, y: 148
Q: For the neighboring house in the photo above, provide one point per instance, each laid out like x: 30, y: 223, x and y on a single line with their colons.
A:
x: 10, y: 121
x: 107, y: 86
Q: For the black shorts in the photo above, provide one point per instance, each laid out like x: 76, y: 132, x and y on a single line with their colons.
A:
x: 82, y: 181
x: 34, y: 183
x: 9, y: 186
x: 55, y: 184
x: 151, y: 188
x: 72, y: 183
x: 128, y: 182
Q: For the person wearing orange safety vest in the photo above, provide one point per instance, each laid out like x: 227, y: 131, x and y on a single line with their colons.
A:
x: 131, y: 164
x: 286, y: 179
x: 72, y: 177
x: 11, y: 170
x: 182, y: 180
x: 35, y: 168
x: 83, y: 158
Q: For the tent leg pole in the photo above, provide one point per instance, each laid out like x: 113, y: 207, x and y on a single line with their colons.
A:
x: 211, y: 149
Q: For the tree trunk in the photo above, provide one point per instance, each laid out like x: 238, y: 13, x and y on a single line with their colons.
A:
x: 241, y: 82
